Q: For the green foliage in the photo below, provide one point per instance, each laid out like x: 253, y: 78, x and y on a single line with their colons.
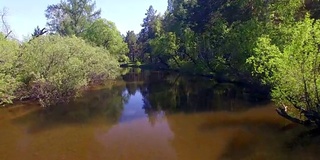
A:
x: 294, y: 70
x: 9, y: 51
x: 131, y: 40
x: 152, y: 28
x: 60, y: 66
x: 71, y: 17
x: 105, y: 34
x: 151, y: 25
x: 216, y: 36
x: 285, y: 11
x: 123, y: 59
x: 164, y: 47
x: 239, y: 44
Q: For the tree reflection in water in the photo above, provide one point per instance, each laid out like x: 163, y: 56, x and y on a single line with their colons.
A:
x: 167, y: 92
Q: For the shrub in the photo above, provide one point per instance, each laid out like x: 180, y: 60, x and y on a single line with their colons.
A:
x: 55, y: 68
x: 8, y: 83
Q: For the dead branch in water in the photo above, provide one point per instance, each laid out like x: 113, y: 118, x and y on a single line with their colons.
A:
x: 313, y: 118
x: 283, y: 113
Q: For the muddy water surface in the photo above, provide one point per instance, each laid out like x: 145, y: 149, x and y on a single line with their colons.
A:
x: 156, y: 116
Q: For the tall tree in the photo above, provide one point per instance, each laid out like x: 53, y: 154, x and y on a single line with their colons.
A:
x: 147, y: 30
x: 170, y: 6
x: 151, y: 28
x: 131, y: 40
x: 71, y: 17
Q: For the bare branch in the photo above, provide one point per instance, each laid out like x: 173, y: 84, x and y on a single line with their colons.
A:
x: 6, y: 36
x: 5, y: 26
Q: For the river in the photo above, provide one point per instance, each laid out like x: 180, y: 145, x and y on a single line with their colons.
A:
x: 153, y: 115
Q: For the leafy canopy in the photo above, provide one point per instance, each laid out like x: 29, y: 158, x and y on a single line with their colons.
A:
x: 105, y: 34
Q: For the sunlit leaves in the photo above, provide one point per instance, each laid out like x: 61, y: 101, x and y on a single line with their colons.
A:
x: 105, y: 34
x: 52, y: 69
x: 294, y: 71
x: 9, y: 51
x: 165, y: 47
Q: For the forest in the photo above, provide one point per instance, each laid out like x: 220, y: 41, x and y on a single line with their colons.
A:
x: 275, y: 43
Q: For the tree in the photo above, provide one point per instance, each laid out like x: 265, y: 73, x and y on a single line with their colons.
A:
x: 131, y: 40
x: 71, y: 17
x: 151, y: 28
x: 170, y: 6
x: 148, y: 31
x: 292, y: 69
x: 164, y: 48
x: 104, y: 33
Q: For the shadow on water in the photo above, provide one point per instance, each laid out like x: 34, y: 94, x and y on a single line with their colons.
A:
x: 305, y: 138
x: 156, y: 115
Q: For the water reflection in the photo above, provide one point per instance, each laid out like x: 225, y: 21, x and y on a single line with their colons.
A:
x: 137, y: 139
x: 172, y: 92
x: 133, y: 109
x: 155, y: 115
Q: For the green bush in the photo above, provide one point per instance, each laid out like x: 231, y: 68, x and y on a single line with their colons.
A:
x: 8, y: 57
x: 55, y: 68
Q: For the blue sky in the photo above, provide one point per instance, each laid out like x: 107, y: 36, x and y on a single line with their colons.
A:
x: 25, y: 15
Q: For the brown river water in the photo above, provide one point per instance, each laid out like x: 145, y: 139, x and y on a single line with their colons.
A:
x: 149, y: 115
